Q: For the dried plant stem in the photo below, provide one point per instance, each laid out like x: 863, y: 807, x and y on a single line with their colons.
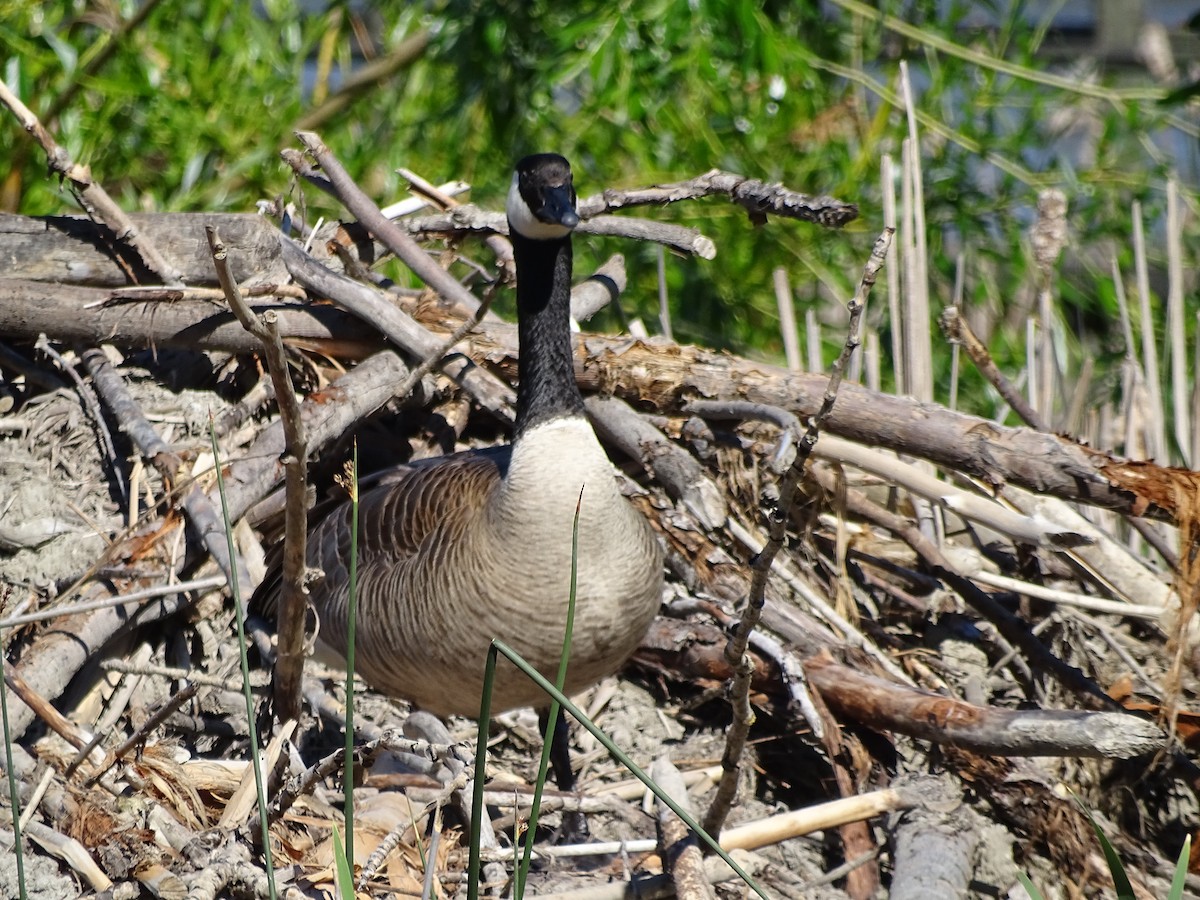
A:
x: 1175, y: 327
x: 888, y: 184
x: 777, y: 519
x: 1155, y: 417
x: 917, y: 342
x: 289, y: 659
x: 787, y: 319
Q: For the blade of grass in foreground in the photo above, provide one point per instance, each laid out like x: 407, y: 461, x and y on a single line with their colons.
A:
x: 473, y: 866
x: 343, y: 870
x: 1034, y: 893
x: 239, y: 618
x: 1179, y: 882
x: 14, y: 797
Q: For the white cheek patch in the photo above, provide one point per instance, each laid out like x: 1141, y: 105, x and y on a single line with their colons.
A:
x: 522, y: 220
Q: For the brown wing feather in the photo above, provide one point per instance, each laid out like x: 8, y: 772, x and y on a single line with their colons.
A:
x: 395, y: 519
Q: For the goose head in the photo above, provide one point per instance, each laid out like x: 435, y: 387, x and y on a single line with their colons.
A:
x: 541, y: 200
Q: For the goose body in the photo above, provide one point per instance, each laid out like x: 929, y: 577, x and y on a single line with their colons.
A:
x: 457, y: 550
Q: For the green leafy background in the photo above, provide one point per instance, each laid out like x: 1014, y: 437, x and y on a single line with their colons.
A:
x: 188, y: 109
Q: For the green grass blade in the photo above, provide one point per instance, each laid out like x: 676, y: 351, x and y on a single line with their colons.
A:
x: 552, y: 691
x: 239, y: 617
x: 342, y: 870
x: 351, y: 636
x: 14, y: 797
x: 1034, y: 893
x: 1116, y: 869
x: 560, y: 679
x: 1179, y: 882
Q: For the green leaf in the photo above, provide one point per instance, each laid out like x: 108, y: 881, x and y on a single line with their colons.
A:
x: 1034, y: 893
x: 1120, y: 880
x: 341, y: 869
x: 1179, y: 882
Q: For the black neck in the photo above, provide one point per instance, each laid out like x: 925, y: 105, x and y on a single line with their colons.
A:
x: 546, y: 388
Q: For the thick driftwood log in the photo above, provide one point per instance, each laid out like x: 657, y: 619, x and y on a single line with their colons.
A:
x: 75, y: 250
x: 694, y: 652
x: 664, y: 376
x: 88, y: 315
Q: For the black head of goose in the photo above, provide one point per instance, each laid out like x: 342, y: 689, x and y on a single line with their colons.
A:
x: 457, y: 550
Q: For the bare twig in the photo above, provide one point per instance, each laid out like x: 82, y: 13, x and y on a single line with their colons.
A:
x: 787, y: 319
x: 393, y: 236
x: 471, y: 218
x: 293, y: 595
x: 758, y: 197
x: 60, y: 724
x: 91, y: 196
x: 954, y: 324
x: 777, y: 517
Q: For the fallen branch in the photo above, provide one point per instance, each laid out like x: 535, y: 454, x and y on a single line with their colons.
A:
x: 758, y: 197
x: 886, y: 706
x: 293, y: 595
x: 91, y: 196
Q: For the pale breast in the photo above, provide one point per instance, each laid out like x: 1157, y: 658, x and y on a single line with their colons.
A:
x: 455, y: 556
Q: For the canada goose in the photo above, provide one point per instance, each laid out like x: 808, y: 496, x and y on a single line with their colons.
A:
x: 457, y: 550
